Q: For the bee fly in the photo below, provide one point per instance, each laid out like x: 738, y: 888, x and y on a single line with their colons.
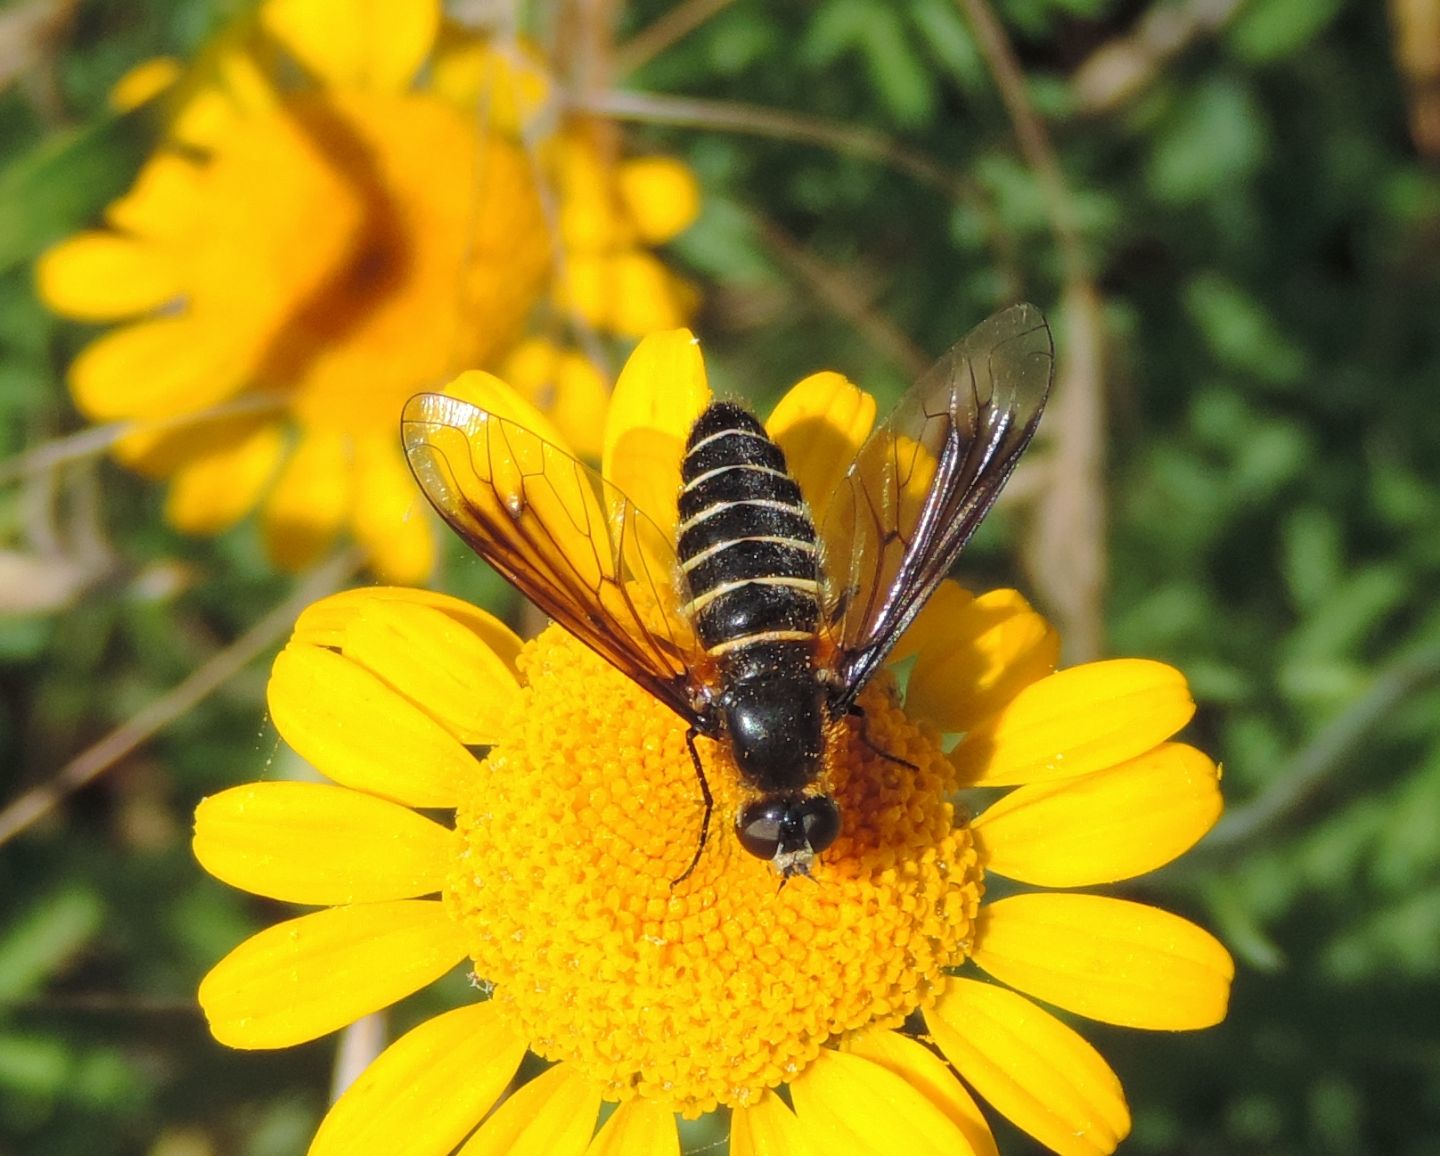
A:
x: 743, y: 626
x: 750, y: 560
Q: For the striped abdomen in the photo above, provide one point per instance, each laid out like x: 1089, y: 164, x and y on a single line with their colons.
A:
x: 747, y: 544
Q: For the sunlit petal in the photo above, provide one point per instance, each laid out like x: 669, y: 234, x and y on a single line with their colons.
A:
x: 1109, y: 959
x: 661, y: 391
x: 821, y: 424
x: 1113, y: 824
x: 846, y: 1103
x: 424, y: 1093
x: 391, y: 518
x: 356, y: 730
x: 924, y: 1071
x: 661, y: 195
x: 975, y: 661
x: 553, y: 1115
x: 1078, y: 720
x: 1031, y: 1068
x: 768, y: 1128
x: 216, y: 490
x: 310, y: 500
x: 306, y: 977
x: 637, y: 1126
x: 103, y: 277
x: 314, y: 843
x: 376, y: 44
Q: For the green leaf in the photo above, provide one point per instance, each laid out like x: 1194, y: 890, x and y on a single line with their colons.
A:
x: 1213, y: 141
x: 63, y: 183
x: 1241, y: 333
x: 1268, y: 30
x: 1312, y: 557
x: 39, y: 943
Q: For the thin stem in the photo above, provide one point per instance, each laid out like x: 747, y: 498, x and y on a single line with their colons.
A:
x: 92, y: 762
x: 838, y: 289
x: 767, y: 122
x: 1066, y: 543
x: 1311, y: 768
x: 88, y: 443
x: 677, y: 23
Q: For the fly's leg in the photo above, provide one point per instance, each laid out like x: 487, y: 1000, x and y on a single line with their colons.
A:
x: 709, y: 808
x: 859, y: 712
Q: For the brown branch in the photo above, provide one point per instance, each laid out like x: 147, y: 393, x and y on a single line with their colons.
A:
x: 677, y: 23
x: 752, y: 120
x: 1120, y: 70
x: 92, y: 762
x: 88, y: 443
x: 1066, y: 546
x: 839, y: 290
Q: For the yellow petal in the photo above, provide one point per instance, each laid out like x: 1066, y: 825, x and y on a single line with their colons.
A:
x: 356, y: 730
x: 924, y: 1071
x: 219, y: 488
x: 154, y: 369
x: 391, y: 519
x: 1031, y: 1068
x: 427, y: 1090
x: 327, y: 622
x: 1077, y: 721
x: 949, y: 601
x: 1109, y: 959
x: 767, y: 1128
x: 500, y: 86
x: 102, y: 277
x: 553, y: 1115
x: 977, y: 660
x: 306, y: 977
x: 371, y: 44
x: 495, y: 396
x: 157, y: 449
x: 441, y: 666
x: 644, y: 296
x: 637, y: 1126
x: 661, y: 391
x: 928, y: 1074
x: 314, y: 843
x: 821, y: 424
x: 661, y: 195
x: 849, y: 1104
x: 310, y: 500
x: 228, y: 86
x: 565, y: 384
x: 147, y: 79
x: 164, y: 202
x: 1114, y: 824
x: 589, y: 215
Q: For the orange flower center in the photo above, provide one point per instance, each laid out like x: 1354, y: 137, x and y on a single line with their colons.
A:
x: 709, y: 991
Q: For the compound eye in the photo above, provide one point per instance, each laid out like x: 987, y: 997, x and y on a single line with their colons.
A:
x: 758, y: 827
x: 820, y: 820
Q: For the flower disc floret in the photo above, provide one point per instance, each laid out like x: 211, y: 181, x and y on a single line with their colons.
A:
x: 713, y: 989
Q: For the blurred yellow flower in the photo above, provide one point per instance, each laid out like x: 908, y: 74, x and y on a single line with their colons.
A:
x: 343, y: 214
x: 850, y: 990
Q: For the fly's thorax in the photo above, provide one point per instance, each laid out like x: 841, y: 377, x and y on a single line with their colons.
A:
x: 775, y: 718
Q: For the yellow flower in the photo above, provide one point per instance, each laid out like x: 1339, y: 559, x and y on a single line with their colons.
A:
x: 857, y: 991
x: 342, y: 214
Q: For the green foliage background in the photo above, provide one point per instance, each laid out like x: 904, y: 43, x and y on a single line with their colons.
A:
x: 1265, y: 241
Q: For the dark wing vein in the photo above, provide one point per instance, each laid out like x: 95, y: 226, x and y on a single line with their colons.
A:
x: 568, y: 540
x: 925, y: 478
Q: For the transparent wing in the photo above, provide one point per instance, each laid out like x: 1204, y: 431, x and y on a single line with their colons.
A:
x: 925, y: 478
x: 557, y: 531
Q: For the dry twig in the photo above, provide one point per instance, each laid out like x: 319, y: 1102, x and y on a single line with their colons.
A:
x: 95, y: 760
